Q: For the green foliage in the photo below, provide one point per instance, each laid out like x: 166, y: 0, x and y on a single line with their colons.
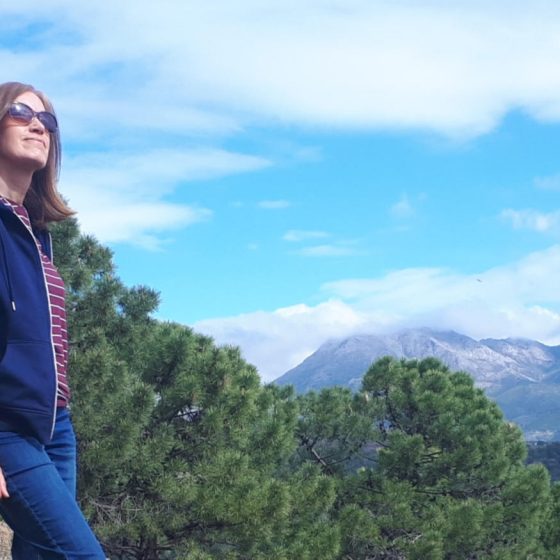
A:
x: 450, y: 480
x: 334, y: 431
x: 546, y: 453
x: 184, y: 454
x: 551, y: 526
x: 425, y: 467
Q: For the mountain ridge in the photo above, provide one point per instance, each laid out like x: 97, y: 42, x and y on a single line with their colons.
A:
x: 522, y: 375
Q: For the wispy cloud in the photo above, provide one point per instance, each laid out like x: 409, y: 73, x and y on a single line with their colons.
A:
x: 121, y: 197
x: 157, y: 170
x: 451, y: 68
x: 329, y: 250
x: 139, y: 223
x: 403, y: 208
x: 337, y: 248
x: 520, y: 299
x: 548, y: 183
x: 135, y: 79
x: 297, y: 235
x: 541, y: 222
x: 274, y: 204
x: 308, y: 153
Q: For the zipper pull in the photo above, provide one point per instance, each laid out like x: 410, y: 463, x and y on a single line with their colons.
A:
x: 13, y: 305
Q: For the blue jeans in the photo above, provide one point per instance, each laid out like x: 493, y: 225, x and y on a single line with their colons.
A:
x: 42, y: 509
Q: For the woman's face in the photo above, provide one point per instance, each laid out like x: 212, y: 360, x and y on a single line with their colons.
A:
x: 25, y: 144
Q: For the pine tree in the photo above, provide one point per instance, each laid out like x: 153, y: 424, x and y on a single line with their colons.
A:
x: 450, y: 482
x: 183, y: 453
x: 551, y: 527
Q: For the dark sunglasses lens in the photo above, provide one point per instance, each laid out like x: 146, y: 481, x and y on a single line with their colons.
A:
x: 20, y: 112
x: 48, y: 120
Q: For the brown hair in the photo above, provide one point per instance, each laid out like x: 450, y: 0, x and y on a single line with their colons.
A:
x: 42, y: 200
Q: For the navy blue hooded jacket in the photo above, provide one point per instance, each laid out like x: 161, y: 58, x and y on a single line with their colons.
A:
x: 28, y: 380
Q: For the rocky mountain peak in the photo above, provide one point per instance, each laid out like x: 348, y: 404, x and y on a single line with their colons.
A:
x: 520, y: 374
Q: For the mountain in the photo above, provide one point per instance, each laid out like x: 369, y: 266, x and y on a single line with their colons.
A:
x: 523, y: 376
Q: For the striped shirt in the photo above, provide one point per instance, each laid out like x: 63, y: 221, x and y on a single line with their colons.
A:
x: 56, y: 295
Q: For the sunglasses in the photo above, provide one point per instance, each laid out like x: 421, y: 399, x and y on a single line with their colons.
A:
x: 23, y: 113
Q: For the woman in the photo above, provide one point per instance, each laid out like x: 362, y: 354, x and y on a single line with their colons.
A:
x: 37, y: 443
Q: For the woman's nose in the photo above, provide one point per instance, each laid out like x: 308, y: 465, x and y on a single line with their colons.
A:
x: 36, y: 125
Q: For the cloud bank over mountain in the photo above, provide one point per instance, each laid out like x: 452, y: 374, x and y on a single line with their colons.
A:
x: 519, y: 299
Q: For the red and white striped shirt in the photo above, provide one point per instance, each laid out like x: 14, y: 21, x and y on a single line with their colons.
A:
x: 56, y: 295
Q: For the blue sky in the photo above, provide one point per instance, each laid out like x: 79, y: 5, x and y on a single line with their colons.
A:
x: 284, y: 174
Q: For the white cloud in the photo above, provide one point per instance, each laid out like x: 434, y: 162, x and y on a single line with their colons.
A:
x: 415, y: 291
x: 338, y: 248
x: 455, y: 68
x: 542, y: 222
x: 138, y: 223
x: 549, y: 183
x: 274, y: 204
x: 342, y: 248
x: 120, y: 197
x: 402, y: 209
x: 308, y: 154
x: 158, y: 171
x: 297, y: 235
x: 329, y: 251
x: 520, y: 299
x: 125, y: 76
x: 277, y: 341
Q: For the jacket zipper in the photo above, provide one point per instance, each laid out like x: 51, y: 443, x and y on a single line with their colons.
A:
x: 50, y: 326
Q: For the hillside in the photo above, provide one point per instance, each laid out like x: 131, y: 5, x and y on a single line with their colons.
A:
x: 523, y: 376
